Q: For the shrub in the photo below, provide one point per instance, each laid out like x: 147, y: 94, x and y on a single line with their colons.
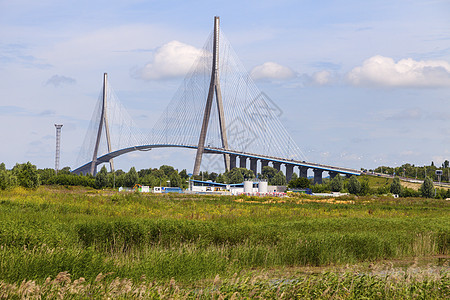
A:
x: 354, y: 187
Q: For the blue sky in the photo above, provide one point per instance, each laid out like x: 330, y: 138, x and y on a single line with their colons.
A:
x: 359, y: 83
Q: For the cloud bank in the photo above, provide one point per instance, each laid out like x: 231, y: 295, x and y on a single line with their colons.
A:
x: 385, y: 72
x: 58, y: 80
x: 271, y: 70
x: 171, y: 60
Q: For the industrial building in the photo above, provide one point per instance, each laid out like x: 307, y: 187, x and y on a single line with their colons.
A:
x: 248, y: 187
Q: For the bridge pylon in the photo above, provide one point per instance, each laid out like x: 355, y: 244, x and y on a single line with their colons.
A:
x: 214, y: 89
x: 103, y: 123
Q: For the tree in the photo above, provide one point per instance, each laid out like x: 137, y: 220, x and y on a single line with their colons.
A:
x: 131, y: 178
x: 168, y: 170
x: 120, y: 178
x: 293, y: 177
x: 396, y: 187
x: 365, y: 188
x: 183, y: 174
x: 144, y: 172
x: 65, y: 170
x: 175, y: 180
x: 46, y: 174
x: 235, y: 176
x: 2, y: 167
x: 354, y: 187
x: 445, y: 164
x: 427, y: 188
x: 27, y: 175
x: 337, y: 184
x: 158, y: 174
x: 268, y: 173
x: 101, y: 178
x: 299, y: 183
x: 278, y: 179
x: 7, y: 179
x: 248, y: 174
x: 220, y: 179
x: 212, y: 176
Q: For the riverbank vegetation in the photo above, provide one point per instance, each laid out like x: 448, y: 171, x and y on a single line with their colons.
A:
x: 28, y: 176
x: 153, y: 239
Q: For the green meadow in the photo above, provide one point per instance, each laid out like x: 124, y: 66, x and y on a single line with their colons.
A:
x: 82, y: 242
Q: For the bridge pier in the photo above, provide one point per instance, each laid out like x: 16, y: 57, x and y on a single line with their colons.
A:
x: 232, y: 161
x: 303, y: 172
x: 264, y: 163
x: 242, y: 162
x: 332, y: 174
x: 254, y: 165
x: 318, y: 176
x: 276, y: 165
x: 289, y: 172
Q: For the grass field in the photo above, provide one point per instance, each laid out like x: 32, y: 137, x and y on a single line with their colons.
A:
x: 73, y: 240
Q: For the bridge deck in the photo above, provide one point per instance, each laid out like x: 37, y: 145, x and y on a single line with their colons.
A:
x: 105, y: 158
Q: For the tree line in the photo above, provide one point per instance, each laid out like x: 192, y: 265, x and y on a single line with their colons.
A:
x: 28, y: 176
x: 416, y: 172
x: 361, y: 186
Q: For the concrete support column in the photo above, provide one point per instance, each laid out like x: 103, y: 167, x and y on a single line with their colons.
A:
x: 242, y: 162
x: 276, y: 165
x: 232, y: 161
x: 253, y: 165
x: 317, y: 176
x: 289, y: 171
x: 332, y: 174
x: 303, y: 172
x: 264, y: 163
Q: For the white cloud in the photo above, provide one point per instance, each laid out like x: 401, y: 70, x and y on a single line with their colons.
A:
x: 173, y: 59
x: 321, y: 77
x: 271, y: 70
x: 384, y: 71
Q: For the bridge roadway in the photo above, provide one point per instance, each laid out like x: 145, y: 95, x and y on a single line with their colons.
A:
x: 303, y: 166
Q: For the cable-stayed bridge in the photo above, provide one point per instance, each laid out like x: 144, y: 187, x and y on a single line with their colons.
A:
x: 217, y: 110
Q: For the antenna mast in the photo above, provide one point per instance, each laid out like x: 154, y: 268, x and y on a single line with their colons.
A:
x: 58, y: 146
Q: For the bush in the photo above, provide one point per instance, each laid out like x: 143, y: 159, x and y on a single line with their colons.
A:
x: 406, y: 192
x: 354, y: 187
x: 72, y: 180
x: 320, y: 188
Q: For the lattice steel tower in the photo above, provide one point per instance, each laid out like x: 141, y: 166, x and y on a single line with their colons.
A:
x: 58, y: 146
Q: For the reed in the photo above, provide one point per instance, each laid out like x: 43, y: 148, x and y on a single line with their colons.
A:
x: 191, y: 238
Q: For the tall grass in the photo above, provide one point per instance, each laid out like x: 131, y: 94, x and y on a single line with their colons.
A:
x: 329, y: 285
x: 190, y: 238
